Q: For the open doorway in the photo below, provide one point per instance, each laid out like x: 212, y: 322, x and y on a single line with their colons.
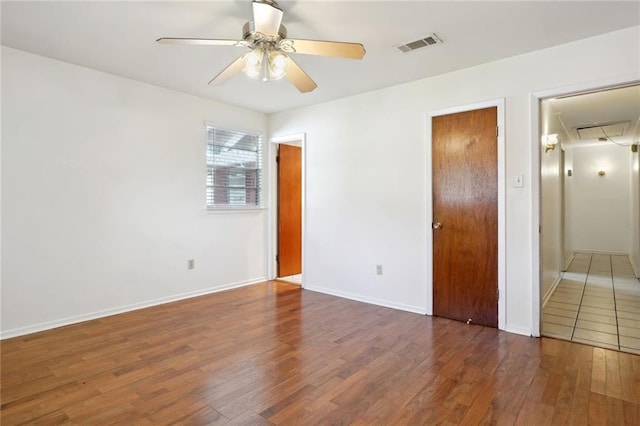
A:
x: 590, y: 218
x: 288, y: 202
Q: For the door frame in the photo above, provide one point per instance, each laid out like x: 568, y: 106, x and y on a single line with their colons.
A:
x: 536, y: 193
x: 500, y: 105
x: 272, y: 227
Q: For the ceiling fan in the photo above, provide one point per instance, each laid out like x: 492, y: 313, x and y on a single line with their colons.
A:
x: 269, y: 59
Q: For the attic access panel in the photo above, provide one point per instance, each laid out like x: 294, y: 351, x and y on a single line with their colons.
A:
x: 599, y: 131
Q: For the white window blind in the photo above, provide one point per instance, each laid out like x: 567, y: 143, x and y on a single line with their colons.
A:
x: 234, y: 169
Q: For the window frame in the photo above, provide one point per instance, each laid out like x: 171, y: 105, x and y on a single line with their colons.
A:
x: 260, y: 190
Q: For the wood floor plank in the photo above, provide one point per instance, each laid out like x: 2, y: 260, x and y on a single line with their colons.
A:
x: 579, y: 411
x: 612, y: 386
x: 599, y: 372
x: 273, y: 353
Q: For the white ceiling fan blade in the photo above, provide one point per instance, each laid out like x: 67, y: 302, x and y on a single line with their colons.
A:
x: 324, y: 48
x: 299, y: 78
x: 201, y: 41
x: 266, y: 18
x: 228, y: 73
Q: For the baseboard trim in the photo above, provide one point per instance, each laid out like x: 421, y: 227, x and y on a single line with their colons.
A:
x: 21, y: 331
x: 568, y: 262
x: 549, y: 292
x: 369, y: 300
x: 614, y: 253
x: 634, y: 266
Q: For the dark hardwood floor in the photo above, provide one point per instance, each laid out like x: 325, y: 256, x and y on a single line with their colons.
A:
x: 275, y: 354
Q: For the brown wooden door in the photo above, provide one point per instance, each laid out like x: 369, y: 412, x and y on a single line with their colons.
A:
x: 289, y: 210
x: 465, y: 203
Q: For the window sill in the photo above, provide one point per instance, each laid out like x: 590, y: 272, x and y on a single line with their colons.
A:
x: 234, y: 210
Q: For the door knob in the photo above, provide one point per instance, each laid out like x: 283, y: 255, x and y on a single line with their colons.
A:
x: 436, y: 225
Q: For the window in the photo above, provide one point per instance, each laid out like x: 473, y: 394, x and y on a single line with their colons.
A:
x: 234, y: 169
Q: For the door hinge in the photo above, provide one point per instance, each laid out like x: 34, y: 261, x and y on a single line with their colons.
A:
x: 497, y: 131
x: 278, y: 159
x: 277, y: 258
x: 498, y: 293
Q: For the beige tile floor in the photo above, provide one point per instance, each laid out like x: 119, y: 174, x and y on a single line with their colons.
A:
x: 293, y: 279
x: 597, y: 302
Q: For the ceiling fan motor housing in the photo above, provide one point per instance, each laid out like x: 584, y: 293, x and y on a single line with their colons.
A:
x: 250, y: 34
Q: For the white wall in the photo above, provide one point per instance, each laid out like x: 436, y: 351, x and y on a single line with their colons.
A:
x: 551, y: 218
x: 103, y: 185
x: 367, y: 186
x: 600, y: 206
x: 568, y: 211
x: 634, y: 199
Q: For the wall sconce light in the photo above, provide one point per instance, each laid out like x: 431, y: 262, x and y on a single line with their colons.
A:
x: 550, y: 142
x: 601, y: 173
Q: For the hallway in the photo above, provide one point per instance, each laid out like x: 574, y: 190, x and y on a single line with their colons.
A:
x: 597, y: 302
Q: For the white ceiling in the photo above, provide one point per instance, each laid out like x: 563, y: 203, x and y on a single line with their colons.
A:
x: 594, y: 109
x: 118, y: 37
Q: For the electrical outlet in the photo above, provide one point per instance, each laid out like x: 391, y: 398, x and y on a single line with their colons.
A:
x: 378, y: 269
x: 191, y: 264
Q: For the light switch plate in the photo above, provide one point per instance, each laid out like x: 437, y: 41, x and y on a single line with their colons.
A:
x: 518, y: 181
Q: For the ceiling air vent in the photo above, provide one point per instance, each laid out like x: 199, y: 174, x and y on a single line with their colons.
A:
x: 429, y: 40
x: 610, y: 130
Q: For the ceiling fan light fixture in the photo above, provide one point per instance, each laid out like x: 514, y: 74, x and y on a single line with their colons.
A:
x: 265, y: 64
x: 278, y: 62
x: 253, y: 63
